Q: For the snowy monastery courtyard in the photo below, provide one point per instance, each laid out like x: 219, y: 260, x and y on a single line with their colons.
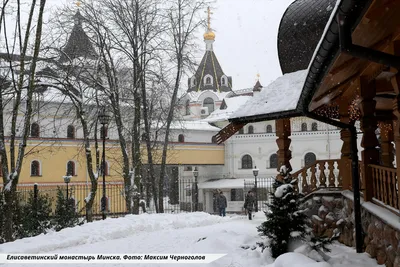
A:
x: 198, y: 233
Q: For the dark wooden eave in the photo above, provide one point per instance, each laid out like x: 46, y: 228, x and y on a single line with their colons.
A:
x: 335, y: 75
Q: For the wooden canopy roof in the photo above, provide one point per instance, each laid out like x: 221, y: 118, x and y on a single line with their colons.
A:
x: 334, y: 75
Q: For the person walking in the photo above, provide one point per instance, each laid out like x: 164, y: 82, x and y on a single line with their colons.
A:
x: 249, y: 204
x: 222, y: 204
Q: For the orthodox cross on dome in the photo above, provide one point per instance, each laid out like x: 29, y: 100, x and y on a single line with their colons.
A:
x: 78, y: 3
x: 209, y: 18
x: 209, y: 35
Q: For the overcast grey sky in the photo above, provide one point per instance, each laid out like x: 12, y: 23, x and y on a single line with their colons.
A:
x: 246, y: 39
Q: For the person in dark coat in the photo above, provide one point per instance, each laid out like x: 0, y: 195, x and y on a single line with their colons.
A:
x: 222, y: 204
x: 249, y: 204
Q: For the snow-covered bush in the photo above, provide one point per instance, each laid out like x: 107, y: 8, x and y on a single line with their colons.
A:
x: 36, y: 215
x: 65, y: 214
x: 285, y: 220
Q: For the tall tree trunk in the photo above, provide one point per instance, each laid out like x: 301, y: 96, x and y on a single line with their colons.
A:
x: 167, y: 131
x: 136, y: 157
x: 10, y: 181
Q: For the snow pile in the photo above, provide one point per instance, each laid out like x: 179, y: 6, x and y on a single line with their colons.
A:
x: 282, y: 190
x: 108, y: 229
x: 293, y: 259
x: 182, y: 233
x: 281, y: 95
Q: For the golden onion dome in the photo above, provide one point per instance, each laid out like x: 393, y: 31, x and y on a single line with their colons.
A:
x: 209, y: 35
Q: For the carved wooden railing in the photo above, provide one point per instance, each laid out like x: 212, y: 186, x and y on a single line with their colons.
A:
x: 385, y: 185
x: 320, y: 174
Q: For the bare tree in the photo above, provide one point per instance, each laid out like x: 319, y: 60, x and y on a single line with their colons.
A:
x: 183, y: 17
x: 18, y: 84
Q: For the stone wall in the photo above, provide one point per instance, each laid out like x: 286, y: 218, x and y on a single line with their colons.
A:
x: 332, y: 213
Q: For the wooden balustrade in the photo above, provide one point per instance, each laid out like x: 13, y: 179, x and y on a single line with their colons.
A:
x: 385, y: 185
x: 325, y: 174
x: 320, y: 174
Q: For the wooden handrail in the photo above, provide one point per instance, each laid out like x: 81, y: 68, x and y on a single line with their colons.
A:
x: 385, y: 185
x: 320, y: 174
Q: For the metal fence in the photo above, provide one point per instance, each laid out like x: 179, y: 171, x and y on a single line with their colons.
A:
x: 179, y: 196
x: 175, y: 199
x: 264, y: 190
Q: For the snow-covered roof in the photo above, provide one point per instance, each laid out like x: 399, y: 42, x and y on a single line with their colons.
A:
x: 193, y: 125
x: 281, y: 95
x: 234, y: 183
x: 232, y: 105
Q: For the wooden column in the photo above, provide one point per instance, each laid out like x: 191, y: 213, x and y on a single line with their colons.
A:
x: 345, y: 136
x: 387, y: 156
x: 370, y: 155
x: 283, y: 132
x: 396, y: 112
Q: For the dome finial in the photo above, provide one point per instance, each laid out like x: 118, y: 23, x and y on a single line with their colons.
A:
x: 209, y: 35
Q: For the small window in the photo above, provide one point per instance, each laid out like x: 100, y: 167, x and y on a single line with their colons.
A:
x: 187, y: 168
x: 223, y: 81
x: 314, y: 126
x: 103, y: 132
x: 71, y: 132
x: 250, y: 130
x: 208, y: 80
x: 181, y: 138
x: 71, y: 168
x: 273, y: 161
x: 304, y: 127
x: 237, y: 195
x: 187, y: 107
x: 269, y: 128
x: 309, y: 159
x: 209, y: 103
x: 241, y: 131
x: 35, y: 130
x: 214, y: 140
x: 35, y: 168
x: 247, y: 162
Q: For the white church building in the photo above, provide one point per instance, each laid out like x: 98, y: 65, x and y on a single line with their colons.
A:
x: 211, y: 98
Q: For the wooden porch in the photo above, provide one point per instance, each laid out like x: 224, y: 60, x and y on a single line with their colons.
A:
x: 327, y: 175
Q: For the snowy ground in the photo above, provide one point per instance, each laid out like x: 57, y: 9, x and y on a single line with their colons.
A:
x: 172, y: 233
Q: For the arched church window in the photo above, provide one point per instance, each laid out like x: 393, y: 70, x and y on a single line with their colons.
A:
x: 250, y: 129
x: 181, y: 138
x: 223, y: 81
x: 304, y: 127
x: 273, y: 161
x: 208, y: 80
x: 71, y: 131
x: 241, y: 131
x: 314, y: 126
x: 35, y: 168
x: 187, y: 107
x: 209, y: 103
x: 269, y: 128
x: 247, y: 162
x: 35, y: 130
x: 309, y: 159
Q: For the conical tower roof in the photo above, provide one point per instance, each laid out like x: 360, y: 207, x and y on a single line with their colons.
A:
x: 78, y: 44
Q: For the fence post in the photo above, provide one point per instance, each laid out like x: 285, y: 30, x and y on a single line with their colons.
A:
x: 35, y: 199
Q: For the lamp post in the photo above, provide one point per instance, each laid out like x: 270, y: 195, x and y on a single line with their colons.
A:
x: 67, y: 179
x: 104, y: 118
x: 196, y: 190
x: 255, y: 173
